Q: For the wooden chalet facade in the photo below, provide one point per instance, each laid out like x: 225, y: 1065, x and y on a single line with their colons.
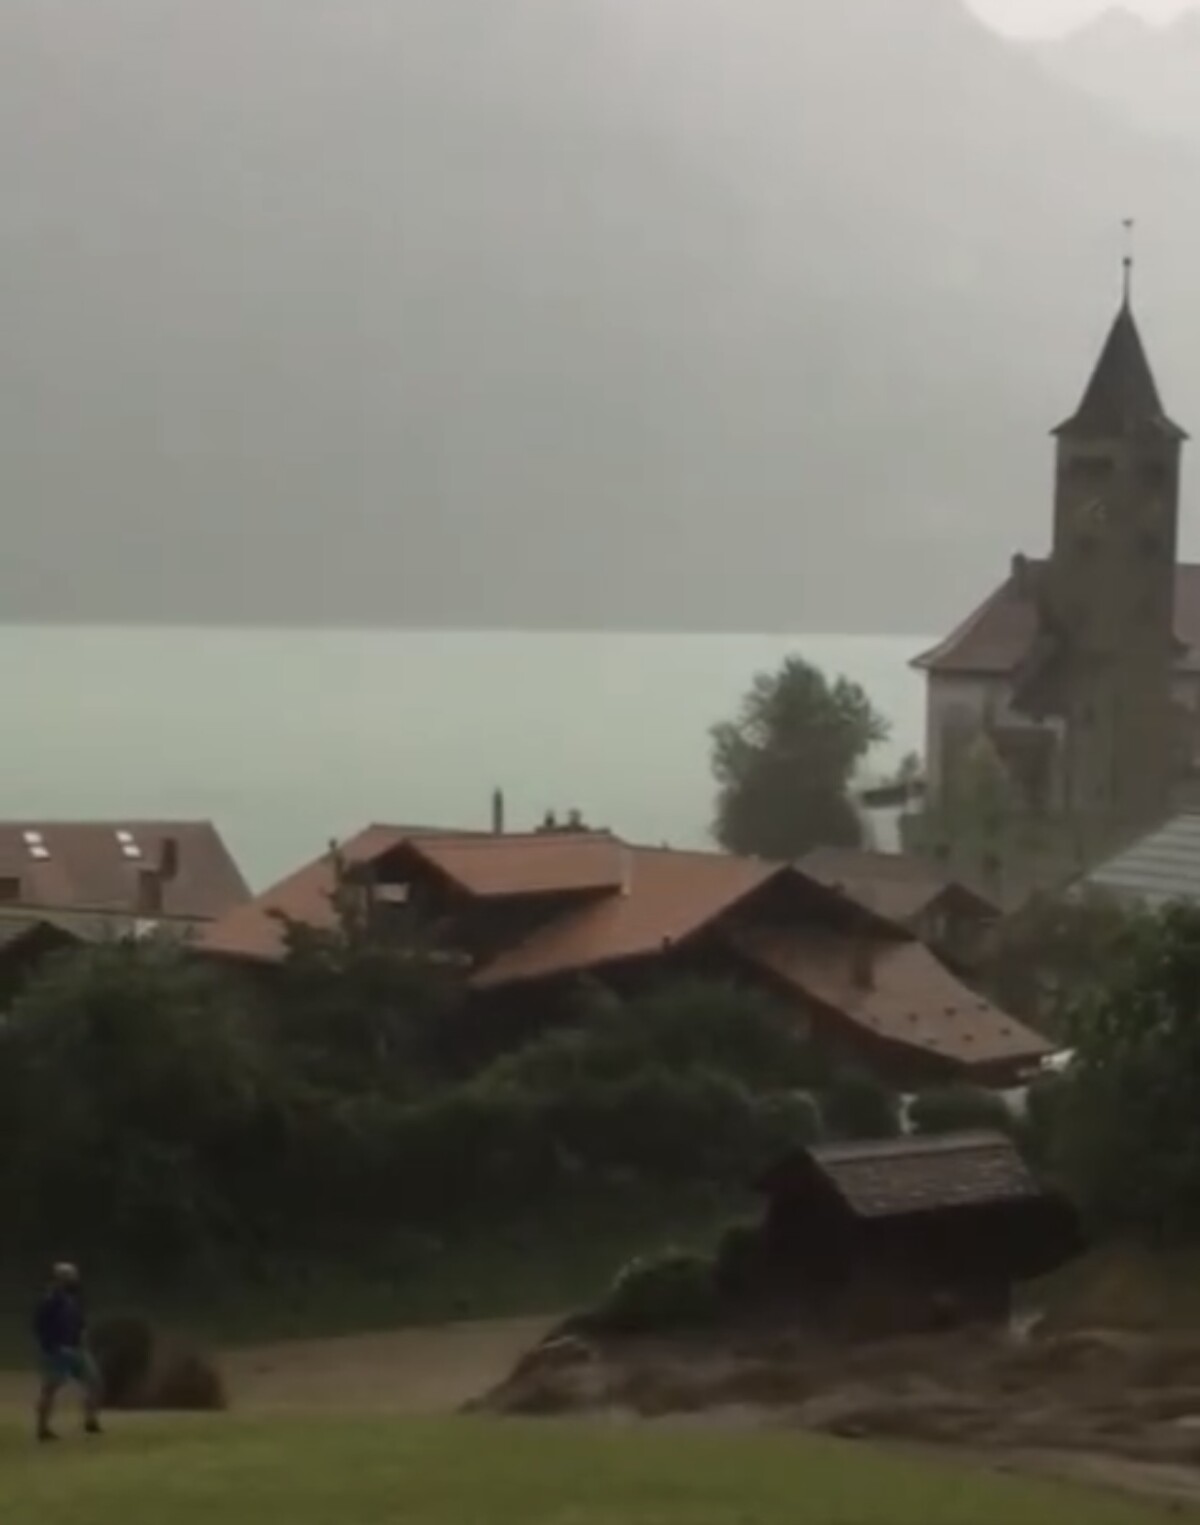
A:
x: 532, y: 916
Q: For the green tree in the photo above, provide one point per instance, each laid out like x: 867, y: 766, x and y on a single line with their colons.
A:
x: 784, y: 767
x: 857, y: 1105
x: 680, y: 1026
x: 1128, y: 1119
x: 367, y: 1001
x: 139, y: 1079
x: 1041, y: 960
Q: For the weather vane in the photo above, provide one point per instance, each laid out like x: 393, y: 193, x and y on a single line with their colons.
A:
x: 1129, y: 226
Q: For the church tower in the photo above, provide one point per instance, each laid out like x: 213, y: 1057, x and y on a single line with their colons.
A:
x: 1103, y: 661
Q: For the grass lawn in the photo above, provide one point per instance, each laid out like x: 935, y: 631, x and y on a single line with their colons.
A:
x: 237, y: 1471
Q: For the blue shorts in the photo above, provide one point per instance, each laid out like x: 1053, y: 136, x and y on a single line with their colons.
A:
x: 62, y: 1366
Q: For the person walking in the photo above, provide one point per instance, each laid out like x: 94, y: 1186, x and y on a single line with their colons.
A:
x: 60, y: 1328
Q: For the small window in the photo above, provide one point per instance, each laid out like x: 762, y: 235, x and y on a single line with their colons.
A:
x: 10, y: 890
x: 1092, y: 468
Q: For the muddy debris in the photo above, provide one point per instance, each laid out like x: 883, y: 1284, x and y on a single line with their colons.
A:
x: 990, y: 1390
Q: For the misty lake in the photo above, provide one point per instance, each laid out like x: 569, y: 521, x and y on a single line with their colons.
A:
x: 287, y: 738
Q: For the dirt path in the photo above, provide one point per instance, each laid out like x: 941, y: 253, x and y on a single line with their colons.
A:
x: 406, y: 1371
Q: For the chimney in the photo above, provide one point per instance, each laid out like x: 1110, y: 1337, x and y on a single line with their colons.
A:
x: 498, y: 812
x: 168, y: 860
x: 549, y: 822
x: 1020, y: 574
x: 575, y: 821
x: 149, y: 903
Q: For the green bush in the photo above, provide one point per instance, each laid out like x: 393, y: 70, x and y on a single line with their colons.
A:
x: 738, y: 1259
x: 1044, y: 1101
x: 959, y: 1108
x: 857, y: 1106
x: 674, y: 1290
x: 718, y: 1028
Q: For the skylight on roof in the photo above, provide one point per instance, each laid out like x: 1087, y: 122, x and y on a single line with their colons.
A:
x: 125, y: 838
x: 33, y: 839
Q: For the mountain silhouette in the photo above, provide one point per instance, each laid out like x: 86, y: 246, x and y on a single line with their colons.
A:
x: 1148, y: 72
x: 639, y: 313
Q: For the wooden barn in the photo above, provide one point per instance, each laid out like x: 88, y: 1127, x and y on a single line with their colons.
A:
x: 912, y: 1234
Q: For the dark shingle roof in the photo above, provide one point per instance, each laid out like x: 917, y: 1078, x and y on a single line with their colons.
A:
x: 885, y: 1179
x: 1122, y: 396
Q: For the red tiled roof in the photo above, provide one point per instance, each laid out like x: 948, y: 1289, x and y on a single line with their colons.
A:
x: 94, y: 866
x: 999, y: 635
x: 478, y: 863
x: 666, y: 896
x: 534, y: 864
x: 911, y: 999
x: 254, y: 931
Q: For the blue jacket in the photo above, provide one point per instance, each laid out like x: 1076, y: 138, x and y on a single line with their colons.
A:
x: 59, y: 1322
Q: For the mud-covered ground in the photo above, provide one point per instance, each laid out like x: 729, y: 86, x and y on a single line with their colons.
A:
x: 1121, y: 1408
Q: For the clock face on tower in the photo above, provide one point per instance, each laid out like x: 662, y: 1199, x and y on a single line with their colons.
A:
x: 1095, y: 513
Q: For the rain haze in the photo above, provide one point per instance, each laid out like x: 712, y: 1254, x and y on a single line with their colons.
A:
x: 562, y: 313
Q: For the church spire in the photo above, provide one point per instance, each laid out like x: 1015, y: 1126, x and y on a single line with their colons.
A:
x: 1122, y: 396
x: 1127, y: 265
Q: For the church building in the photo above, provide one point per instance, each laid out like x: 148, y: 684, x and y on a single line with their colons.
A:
x: 1077, y: 682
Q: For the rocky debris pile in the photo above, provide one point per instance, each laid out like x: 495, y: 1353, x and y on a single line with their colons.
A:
x: 1129, y: 1395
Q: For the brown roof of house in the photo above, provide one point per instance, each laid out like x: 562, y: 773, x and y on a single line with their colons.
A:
x: 898, y: 886
x: 94, y: 866
x: 530, y: 864
x: 998, y: 637
x: 909, y: 998
x: 889, y: 1178
x: 478, y: 863
x: 666, y: 896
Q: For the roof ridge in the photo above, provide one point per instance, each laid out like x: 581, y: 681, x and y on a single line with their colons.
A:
x: 914, y: 1143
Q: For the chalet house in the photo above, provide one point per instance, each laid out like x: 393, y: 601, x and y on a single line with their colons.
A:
x: 906, y: 1235
x: 532, y: 915
x: 951, y: 917
x: 64, y: 883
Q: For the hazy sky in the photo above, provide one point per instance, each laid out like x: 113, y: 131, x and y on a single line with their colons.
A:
x: 1032, y: 16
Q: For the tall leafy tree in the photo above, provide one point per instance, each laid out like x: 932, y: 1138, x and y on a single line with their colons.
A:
x: 1128, y: 1126
x: 138, y: 1080
x: 785, y: 765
